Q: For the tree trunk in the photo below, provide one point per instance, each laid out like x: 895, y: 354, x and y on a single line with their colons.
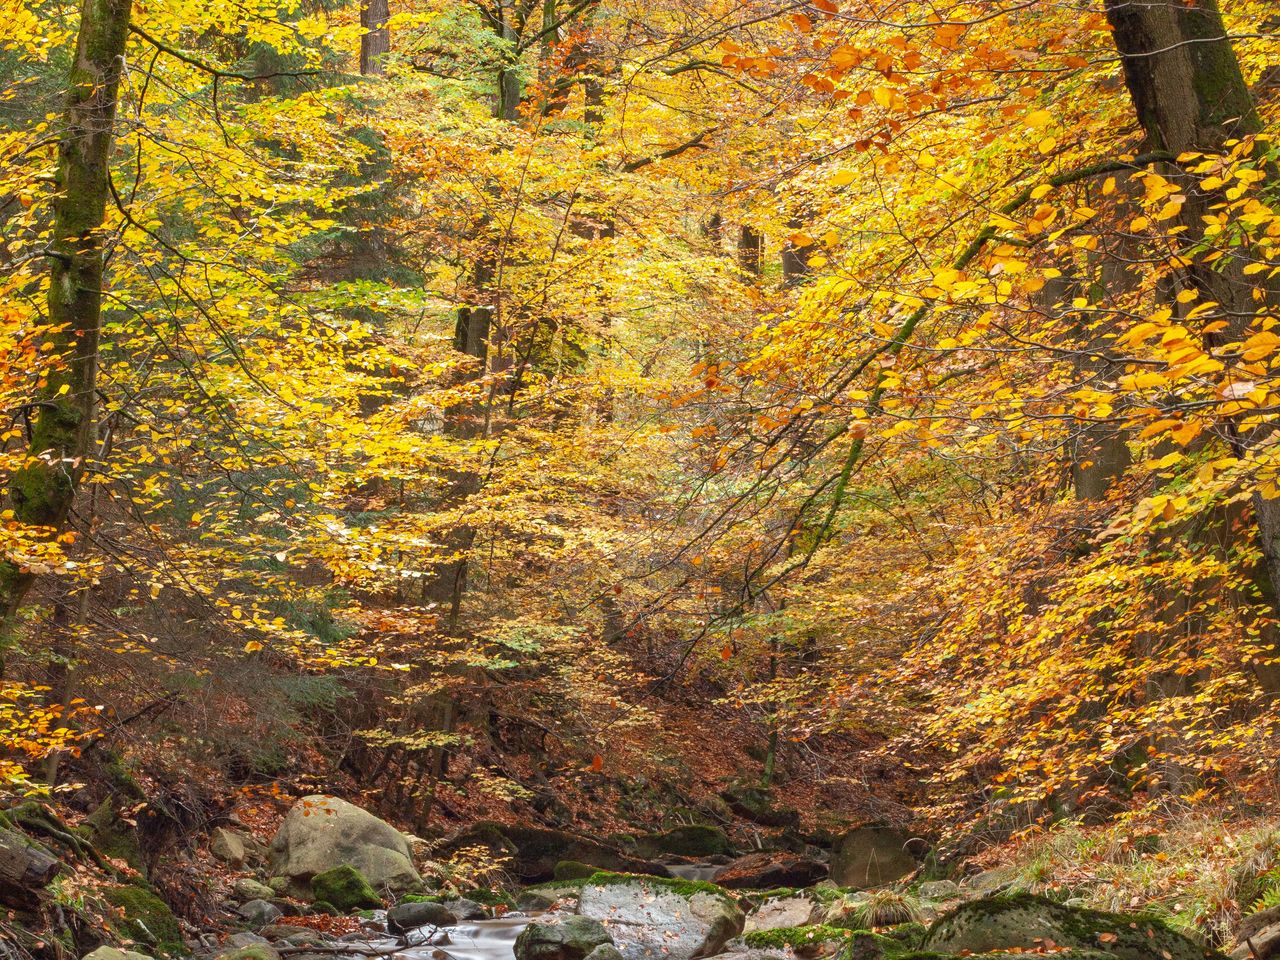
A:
x: 62, y: 434
x: 376, y: 41
x: 750, y: 250
x: 1190, y: 95
x: 795, y: 259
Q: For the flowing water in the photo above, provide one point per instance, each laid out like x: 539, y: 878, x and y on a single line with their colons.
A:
x: 473, y: 940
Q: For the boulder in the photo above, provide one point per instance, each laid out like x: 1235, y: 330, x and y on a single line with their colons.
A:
x: 243, y: 939
x: 939, y: 890
x: 871, y: 857
x: 696, y: 841
x: 408, y: 916
x: 465, y: 909
x: 780, y: 914
x: 1261, y: 944
x: 1254, y: 923
x: 321, y: 833
x: 545, y: 897
x: 252, y: 951
x: 535, y: 851
x: 765, y: 870
x: 227, y: 846
x: 345, y: 888
x: 259, y: 913
x: 845, y: 912
x: 1023, y: 922
x: 572, y: 870
x: 655, y: 919
x: 114, y: 953
x: 246, y: 888
x: 573, y: 938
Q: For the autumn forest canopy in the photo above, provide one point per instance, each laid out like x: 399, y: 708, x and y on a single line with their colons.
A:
x: 757, y: 423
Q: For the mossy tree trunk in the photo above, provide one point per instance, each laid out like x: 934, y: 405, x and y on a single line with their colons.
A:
x: 1190, y: 95
x: 62, y: 433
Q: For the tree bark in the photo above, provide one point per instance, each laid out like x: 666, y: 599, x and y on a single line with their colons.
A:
x: 1190, y: 96
x: 62, y: 434
x: 376, y: 41
x: 750, y: 250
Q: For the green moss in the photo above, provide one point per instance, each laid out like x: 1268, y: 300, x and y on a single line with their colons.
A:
x: 491, y: 898
x: 573, y: 870
x: 908, y: 934
x: 1130, y: 936
x: 146, y: 919
x: 113, y: 836
x: 576, y: 884
x: 685, y: 888
x: 777, y: 893
x: 346, y: 888
x: 422, y: 898
x: 793, y: 937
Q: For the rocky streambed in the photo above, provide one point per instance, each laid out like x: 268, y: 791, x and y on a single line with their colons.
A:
x: 338, y: 882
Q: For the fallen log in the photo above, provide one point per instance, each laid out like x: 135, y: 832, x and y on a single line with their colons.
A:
x: 25, y: 869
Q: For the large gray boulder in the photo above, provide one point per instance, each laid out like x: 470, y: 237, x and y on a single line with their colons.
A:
x: 1025, y: 922
x: 781, y: 914
x: 321, y: 833
x: 872, y: 857
x: 655, y: 919
x: 573, y: 938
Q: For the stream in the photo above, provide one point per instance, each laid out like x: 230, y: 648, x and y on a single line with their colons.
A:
x: 495, y: 939
x: 474, y: 940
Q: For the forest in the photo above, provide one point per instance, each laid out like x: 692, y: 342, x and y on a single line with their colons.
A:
x: 604, y: 480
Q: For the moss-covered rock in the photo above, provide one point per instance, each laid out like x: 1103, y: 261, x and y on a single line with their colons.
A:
x: 253, y: 951
x: 1022, y: 921
x: 688, y: 841
x: 574, y: 938
x: 112, y: 835
x: 144, y: 917
x: 573, y: 870
x: 662, y: 919
x: 346, y: 888
x: 780, y: 938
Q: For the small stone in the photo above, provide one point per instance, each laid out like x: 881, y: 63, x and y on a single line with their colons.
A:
x: 465, y: 909
x: 246, y: 888
x: 279, y: 884
x: 243, y: 939
x: 606, y: 951
x: 259, y: 913
x: 409, y: 916
x: 574, y: 938
x: 284, y: 931
x: 227, y: 846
